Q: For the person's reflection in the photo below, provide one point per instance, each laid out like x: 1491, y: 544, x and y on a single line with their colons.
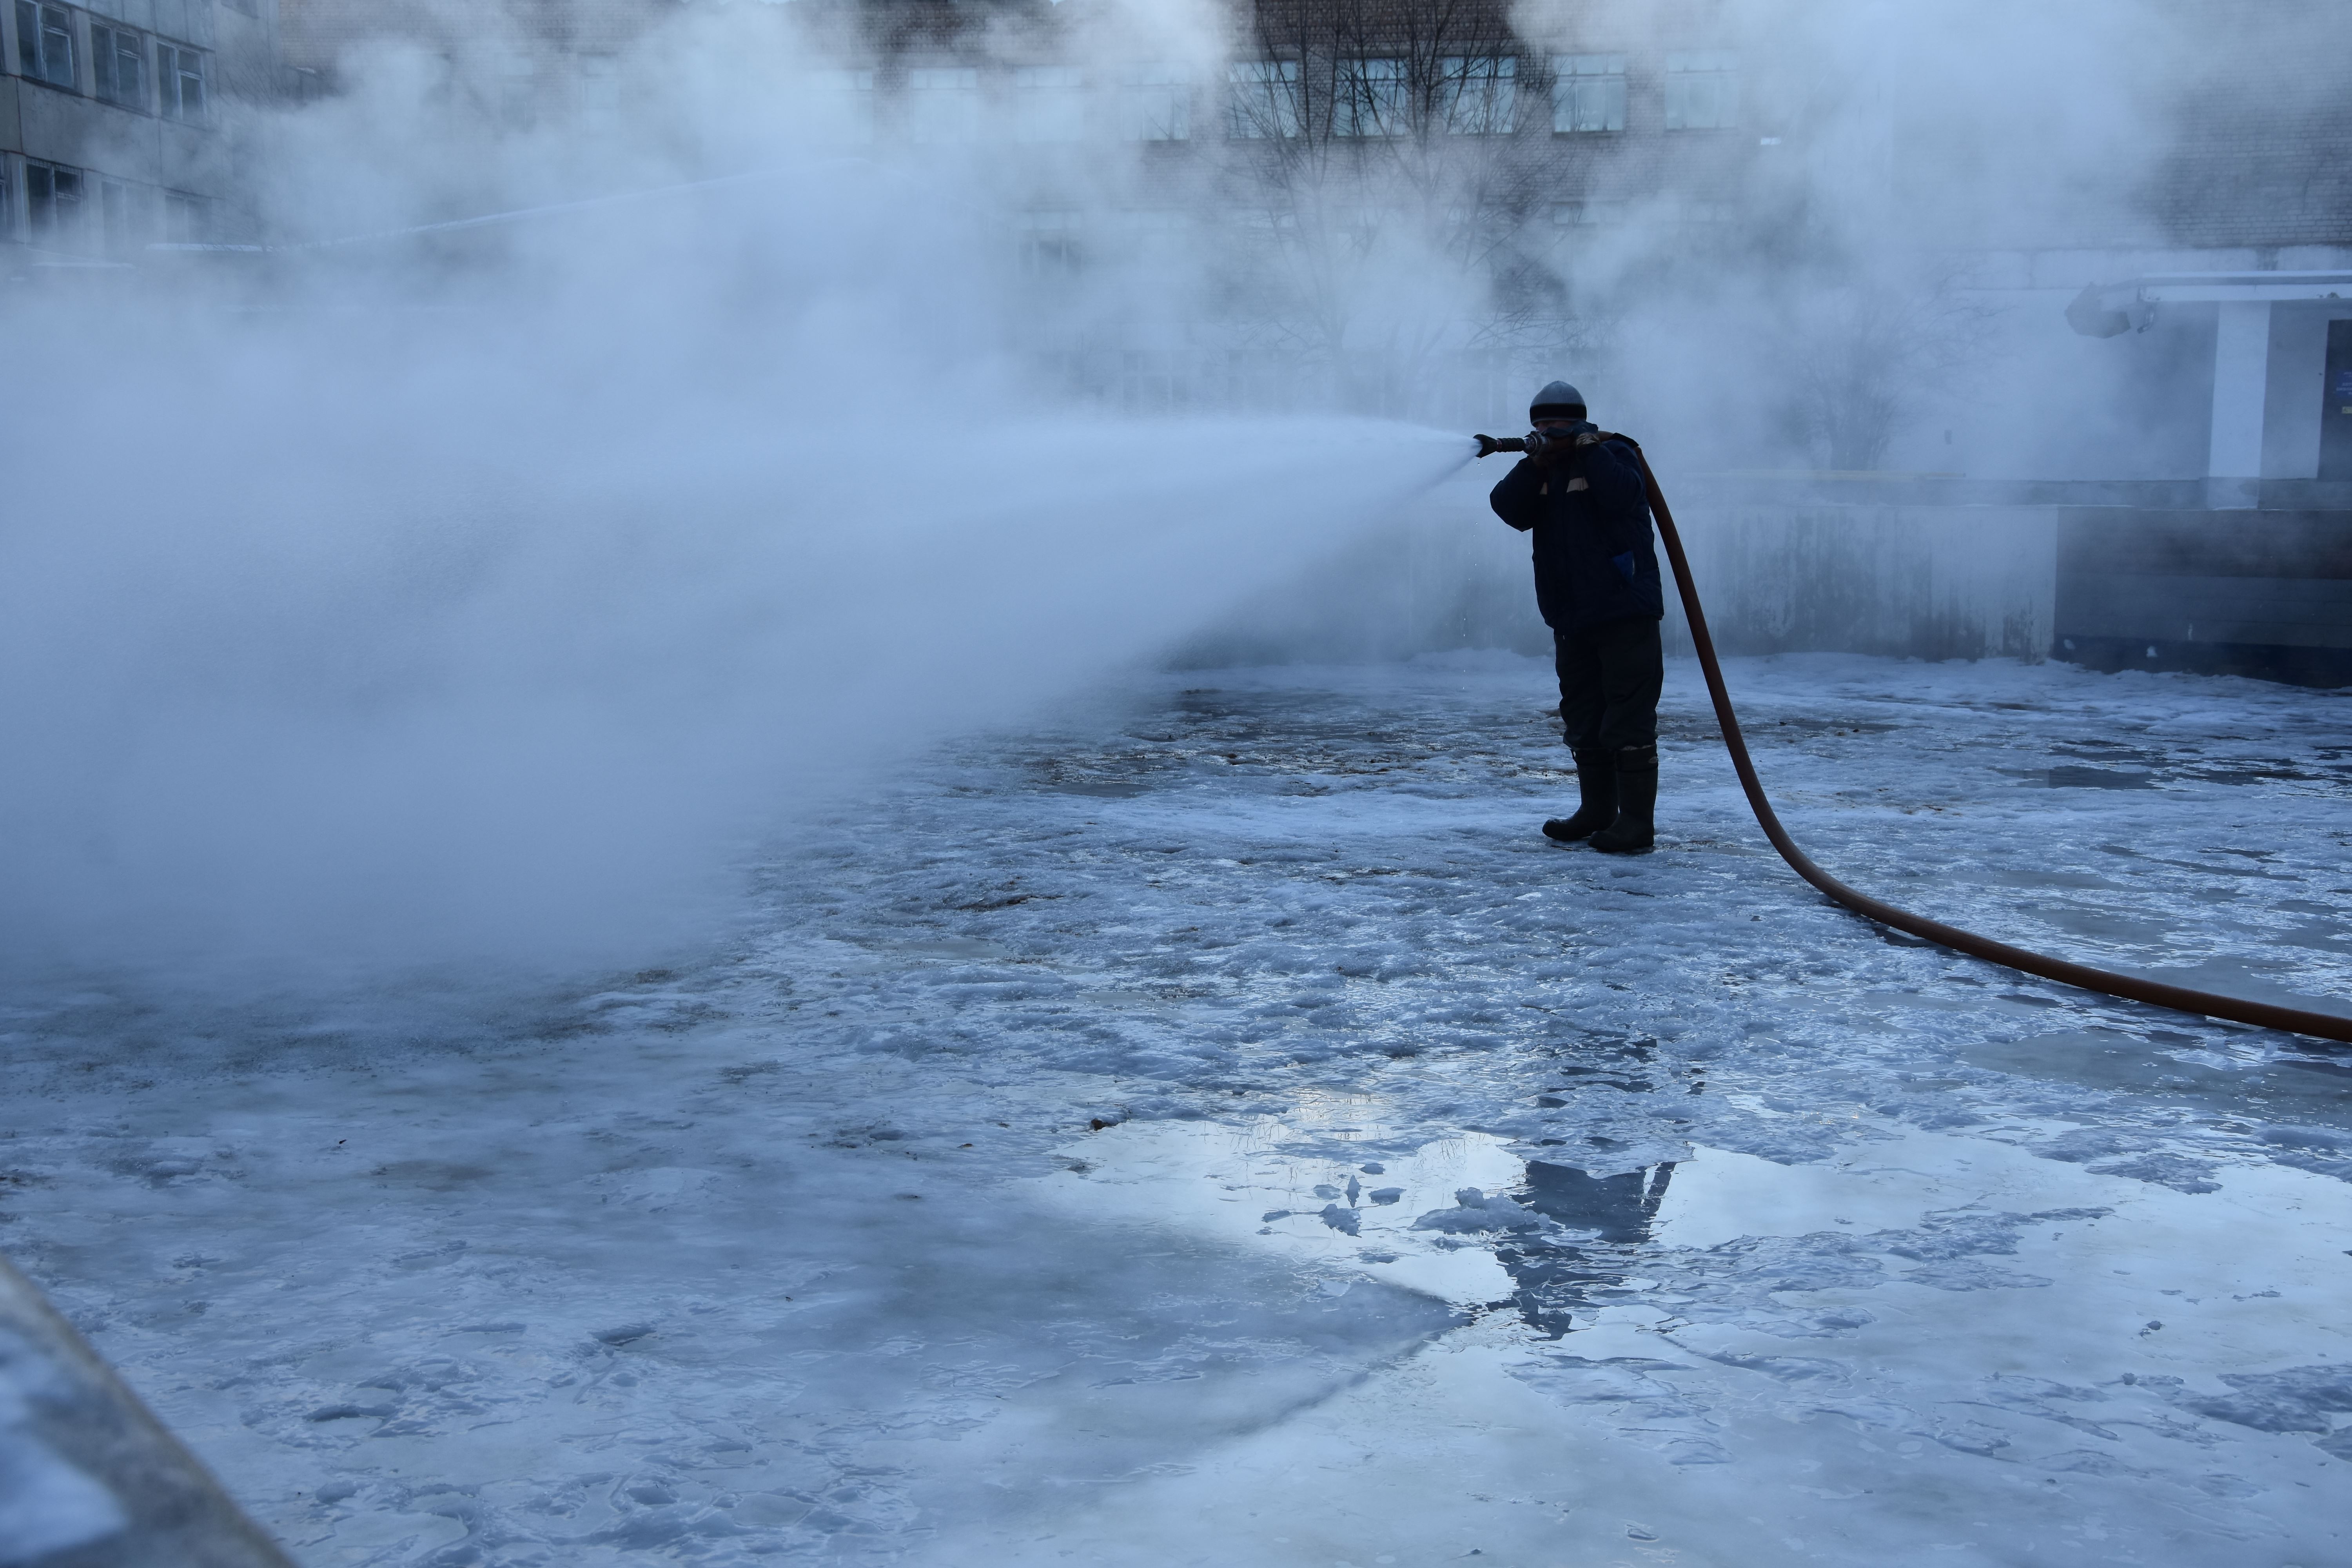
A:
x: 1611, y: 1212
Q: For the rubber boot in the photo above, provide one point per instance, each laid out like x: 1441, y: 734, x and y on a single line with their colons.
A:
x: 1596, y: 783
x: 1637, y: 803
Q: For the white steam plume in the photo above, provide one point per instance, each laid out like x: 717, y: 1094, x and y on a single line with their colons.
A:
x: 476, y: 602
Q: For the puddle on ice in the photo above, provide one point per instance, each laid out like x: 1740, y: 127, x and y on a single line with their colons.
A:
x: 1352, y: 1217
x: 1272, y: 1186
x: 2080, y: 1356
x: 1717, y: 1195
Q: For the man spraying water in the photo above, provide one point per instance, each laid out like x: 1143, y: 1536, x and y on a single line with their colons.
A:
x: 1579, y: 494
x: 1589, y: 498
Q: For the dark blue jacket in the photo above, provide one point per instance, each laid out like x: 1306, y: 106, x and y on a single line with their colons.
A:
x: 1594, y: 561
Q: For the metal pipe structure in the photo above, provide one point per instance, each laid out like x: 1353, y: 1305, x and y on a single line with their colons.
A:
x: 97, y: 1481
x: 2179, y: 998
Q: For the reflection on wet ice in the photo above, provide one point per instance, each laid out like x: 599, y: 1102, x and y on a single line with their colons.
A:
x: 1609, y: 1216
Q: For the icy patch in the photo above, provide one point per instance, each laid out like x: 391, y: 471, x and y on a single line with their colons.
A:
x: 1911, y: 1259
x: 664, y: 1186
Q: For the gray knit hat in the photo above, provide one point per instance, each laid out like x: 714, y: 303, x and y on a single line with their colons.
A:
x: 1558, y: 401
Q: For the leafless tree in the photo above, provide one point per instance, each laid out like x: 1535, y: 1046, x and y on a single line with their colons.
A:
x: 1866, y: 352
x: 1371, y: 143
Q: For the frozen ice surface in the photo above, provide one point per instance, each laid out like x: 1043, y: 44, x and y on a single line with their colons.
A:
x: 1802, y: 1244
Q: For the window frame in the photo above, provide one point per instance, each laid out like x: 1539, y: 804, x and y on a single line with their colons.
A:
x: 1049, y: 105
x: 187, y: 217
x: 54, y: 215
x: 1155, y: 102
x: 949, y: 102
x: 845, y: 98
x: 520, y: 81
x: 118, y: 215
x: 596, y: 80
x: 35, y: 61
x: 1271, y: 86
x: 1586, y: 89
x: 1374, y: 101
x: 1589, y: 213
x: 1493, y: 81
x: 1050, y: 242
x: 1702, y: 77
x: 109, y: 46
x: 172, y: 77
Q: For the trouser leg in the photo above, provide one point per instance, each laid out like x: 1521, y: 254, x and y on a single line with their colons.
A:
x: 1632, y: 672
x: 1582, y: 701
x: 1629, y: 667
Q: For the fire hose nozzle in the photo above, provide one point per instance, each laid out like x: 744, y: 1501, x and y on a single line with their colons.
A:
x: 1543, y: 442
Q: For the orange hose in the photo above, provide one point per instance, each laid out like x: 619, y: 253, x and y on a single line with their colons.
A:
x: 2180, y: 998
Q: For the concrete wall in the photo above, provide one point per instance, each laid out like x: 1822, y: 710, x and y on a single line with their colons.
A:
x: 2266, y: 593
x: 1914, y: 582
x: 2152, y: 585
x: 1908, y: 581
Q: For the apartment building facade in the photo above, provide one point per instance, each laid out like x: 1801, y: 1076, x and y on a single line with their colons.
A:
x: 112, y: 135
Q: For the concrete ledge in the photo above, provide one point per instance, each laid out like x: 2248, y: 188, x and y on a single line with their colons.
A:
x: 88, y: 1478
x: 2316, y: 667
x: 2242, y: 611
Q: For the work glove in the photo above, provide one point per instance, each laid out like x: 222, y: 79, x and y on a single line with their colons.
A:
x: 1551, y: 444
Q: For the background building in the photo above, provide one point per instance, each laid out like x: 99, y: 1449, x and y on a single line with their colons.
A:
x: 2099, y: 279
x: 112, y: 126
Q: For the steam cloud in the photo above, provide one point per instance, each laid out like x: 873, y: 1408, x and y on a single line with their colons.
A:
x: 476, y: 598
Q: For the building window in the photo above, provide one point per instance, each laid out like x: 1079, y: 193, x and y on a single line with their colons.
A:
x: 52, y: 200
x: 1262, y: 101
x: 1702, y: 90
x: 45, y: 44
x: 1372, y: 99
x: 119, y: 58
x: 180, y: 77
x: 1049, y: 104
x: 120, y: 216
x: 845, y: 105
x: 944, y: 105
x: 1587, y: 93
x: 1152, y: 381
x: 599, y: 89
x: 1049, y: 242
x: 187, y: 220
x: 1482, y: 95
x: 518, y: 91
x: 1155, y: 104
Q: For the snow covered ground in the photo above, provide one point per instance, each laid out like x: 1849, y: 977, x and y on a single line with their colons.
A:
x: 1217, y: 1128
